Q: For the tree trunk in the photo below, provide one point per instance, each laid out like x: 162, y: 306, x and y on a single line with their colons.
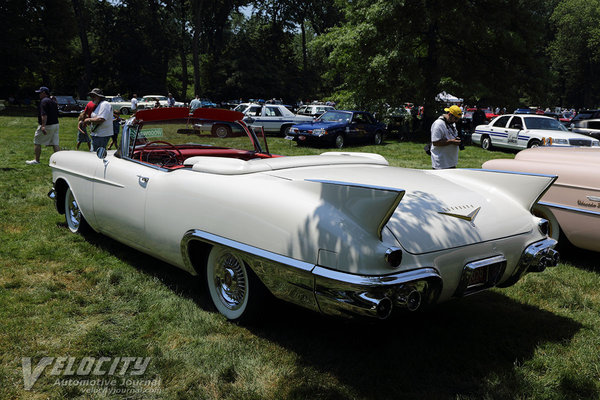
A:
x: 84, y: 80
x: 183, y: 56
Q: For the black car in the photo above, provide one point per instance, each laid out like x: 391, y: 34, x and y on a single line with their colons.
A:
x: 67, y: 105
x: 583, y: 115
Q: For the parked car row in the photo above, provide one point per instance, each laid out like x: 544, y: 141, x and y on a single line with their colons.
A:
x: 338, y: 127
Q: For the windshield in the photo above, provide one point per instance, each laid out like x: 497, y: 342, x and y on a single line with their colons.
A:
x: 191, y: 133
x: 335, y: 116
x: 65, y: 100
x: 241, y: 108
x: 544, y: 123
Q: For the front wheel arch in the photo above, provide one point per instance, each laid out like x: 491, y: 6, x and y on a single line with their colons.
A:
x: 284, y: 130
x: 60, y: 186
x: 533, y: 143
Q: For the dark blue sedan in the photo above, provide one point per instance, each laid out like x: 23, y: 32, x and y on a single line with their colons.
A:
x: 337, y: 127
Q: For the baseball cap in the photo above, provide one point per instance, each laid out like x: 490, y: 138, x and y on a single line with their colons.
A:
x: 454, y: 110
x: 43, y: 89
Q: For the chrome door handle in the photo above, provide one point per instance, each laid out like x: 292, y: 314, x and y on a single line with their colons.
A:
x: 593, y: 198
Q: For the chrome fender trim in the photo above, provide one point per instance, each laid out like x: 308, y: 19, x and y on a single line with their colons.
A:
x: 285, y: 277
x: 320, y: 289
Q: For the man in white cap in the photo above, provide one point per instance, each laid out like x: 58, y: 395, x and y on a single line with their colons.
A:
x: 445, y: 140
x: 46, y: 133
x: 101, y: 120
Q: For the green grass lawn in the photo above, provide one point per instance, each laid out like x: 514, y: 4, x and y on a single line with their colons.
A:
x: 65, y: 295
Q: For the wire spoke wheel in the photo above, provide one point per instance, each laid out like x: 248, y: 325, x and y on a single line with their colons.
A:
x: 228, y: 283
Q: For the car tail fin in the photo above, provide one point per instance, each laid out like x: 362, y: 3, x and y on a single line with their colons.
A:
x: 525, y: 188
x: 370, y: 206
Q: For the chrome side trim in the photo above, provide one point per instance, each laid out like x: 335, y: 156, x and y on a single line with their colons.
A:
x: 513, y: 172
x: 568, y: 208
x: 88, y: 177
x: 359, y: 185
x: 571, y: 186
x: 215, y: 239
x: 374, y: 280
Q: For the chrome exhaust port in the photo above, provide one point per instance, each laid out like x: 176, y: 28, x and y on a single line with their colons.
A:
x: 381, y: 306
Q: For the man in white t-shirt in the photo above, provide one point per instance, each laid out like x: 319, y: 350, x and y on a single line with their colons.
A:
x: 101, y: 120
x: 134, y: 102
x: 445, y: 140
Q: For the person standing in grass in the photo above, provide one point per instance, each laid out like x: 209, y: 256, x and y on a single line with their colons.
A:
x: 116, y: 128
x: 445, y: 140
x: 101, y: 120
x: 46, y: 133
x: 134, y: 103
x: 82, y: 135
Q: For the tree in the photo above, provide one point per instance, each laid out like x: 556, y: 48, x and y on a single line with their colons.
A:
x: 575, y: 52
x: 396, y: 51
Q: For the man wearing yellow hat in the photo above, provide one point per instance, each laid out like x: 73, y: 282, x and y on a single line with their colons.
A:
x: 445, y: 140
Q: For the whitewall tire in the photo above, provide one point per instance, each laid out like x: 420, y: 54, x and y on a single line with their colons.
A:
x: 228, y: 282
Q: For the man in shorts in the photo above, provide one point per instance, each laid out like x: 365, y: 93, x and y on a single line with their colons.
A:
x: 46, y: 133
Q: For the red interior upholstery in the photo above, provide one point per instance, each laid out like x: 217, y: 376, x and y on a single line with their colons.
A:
x: 205, y: 152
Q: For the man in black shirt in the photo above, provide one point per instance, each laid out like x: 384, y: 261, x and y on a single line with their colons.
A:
x: 478, y: 117
x: 46, y: 133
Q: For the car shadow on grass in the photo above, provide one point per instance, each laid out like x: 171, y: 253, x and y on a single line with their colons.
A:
x: 470, y: 347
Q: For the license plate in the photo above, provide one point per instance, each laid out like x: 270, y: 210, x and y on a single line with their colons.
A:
x: 478, y: 277
x: 289, y: 138
x: 482, y: 274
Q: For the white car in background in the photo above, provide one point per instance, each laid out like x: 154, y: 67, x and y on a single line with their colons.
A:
x: 273, y: 118
x: 149, y: 101
x: 521, y: 131
x: 119, y: 104
x: 314, y: 110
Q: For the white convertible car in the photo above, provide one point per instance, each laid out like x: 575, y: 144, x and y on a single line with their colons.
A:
x: 340, y: 233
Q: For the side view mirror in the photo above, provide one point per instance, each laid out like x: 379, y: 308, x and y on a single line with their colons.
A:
x: 101, y: 153
x: 518, y: 126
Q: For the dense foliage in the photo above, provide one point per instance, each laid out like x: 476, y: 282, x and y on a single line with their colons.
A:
x: 363, y: 53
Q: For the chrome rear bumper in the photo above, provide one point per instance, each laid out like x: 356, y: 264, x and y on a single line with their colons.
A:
x: 535, y: 258
x: 344, y: 294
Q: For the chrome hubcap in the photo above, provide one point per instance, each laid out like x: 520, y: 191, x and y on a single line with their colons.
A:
x: 230, y: 281
x: 221, y: 132
x: 339, y: 141
x: 74, y: 212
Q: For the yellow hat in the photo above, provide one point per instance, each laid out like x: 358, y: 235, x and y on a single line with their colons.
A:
x: 454, y: 110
